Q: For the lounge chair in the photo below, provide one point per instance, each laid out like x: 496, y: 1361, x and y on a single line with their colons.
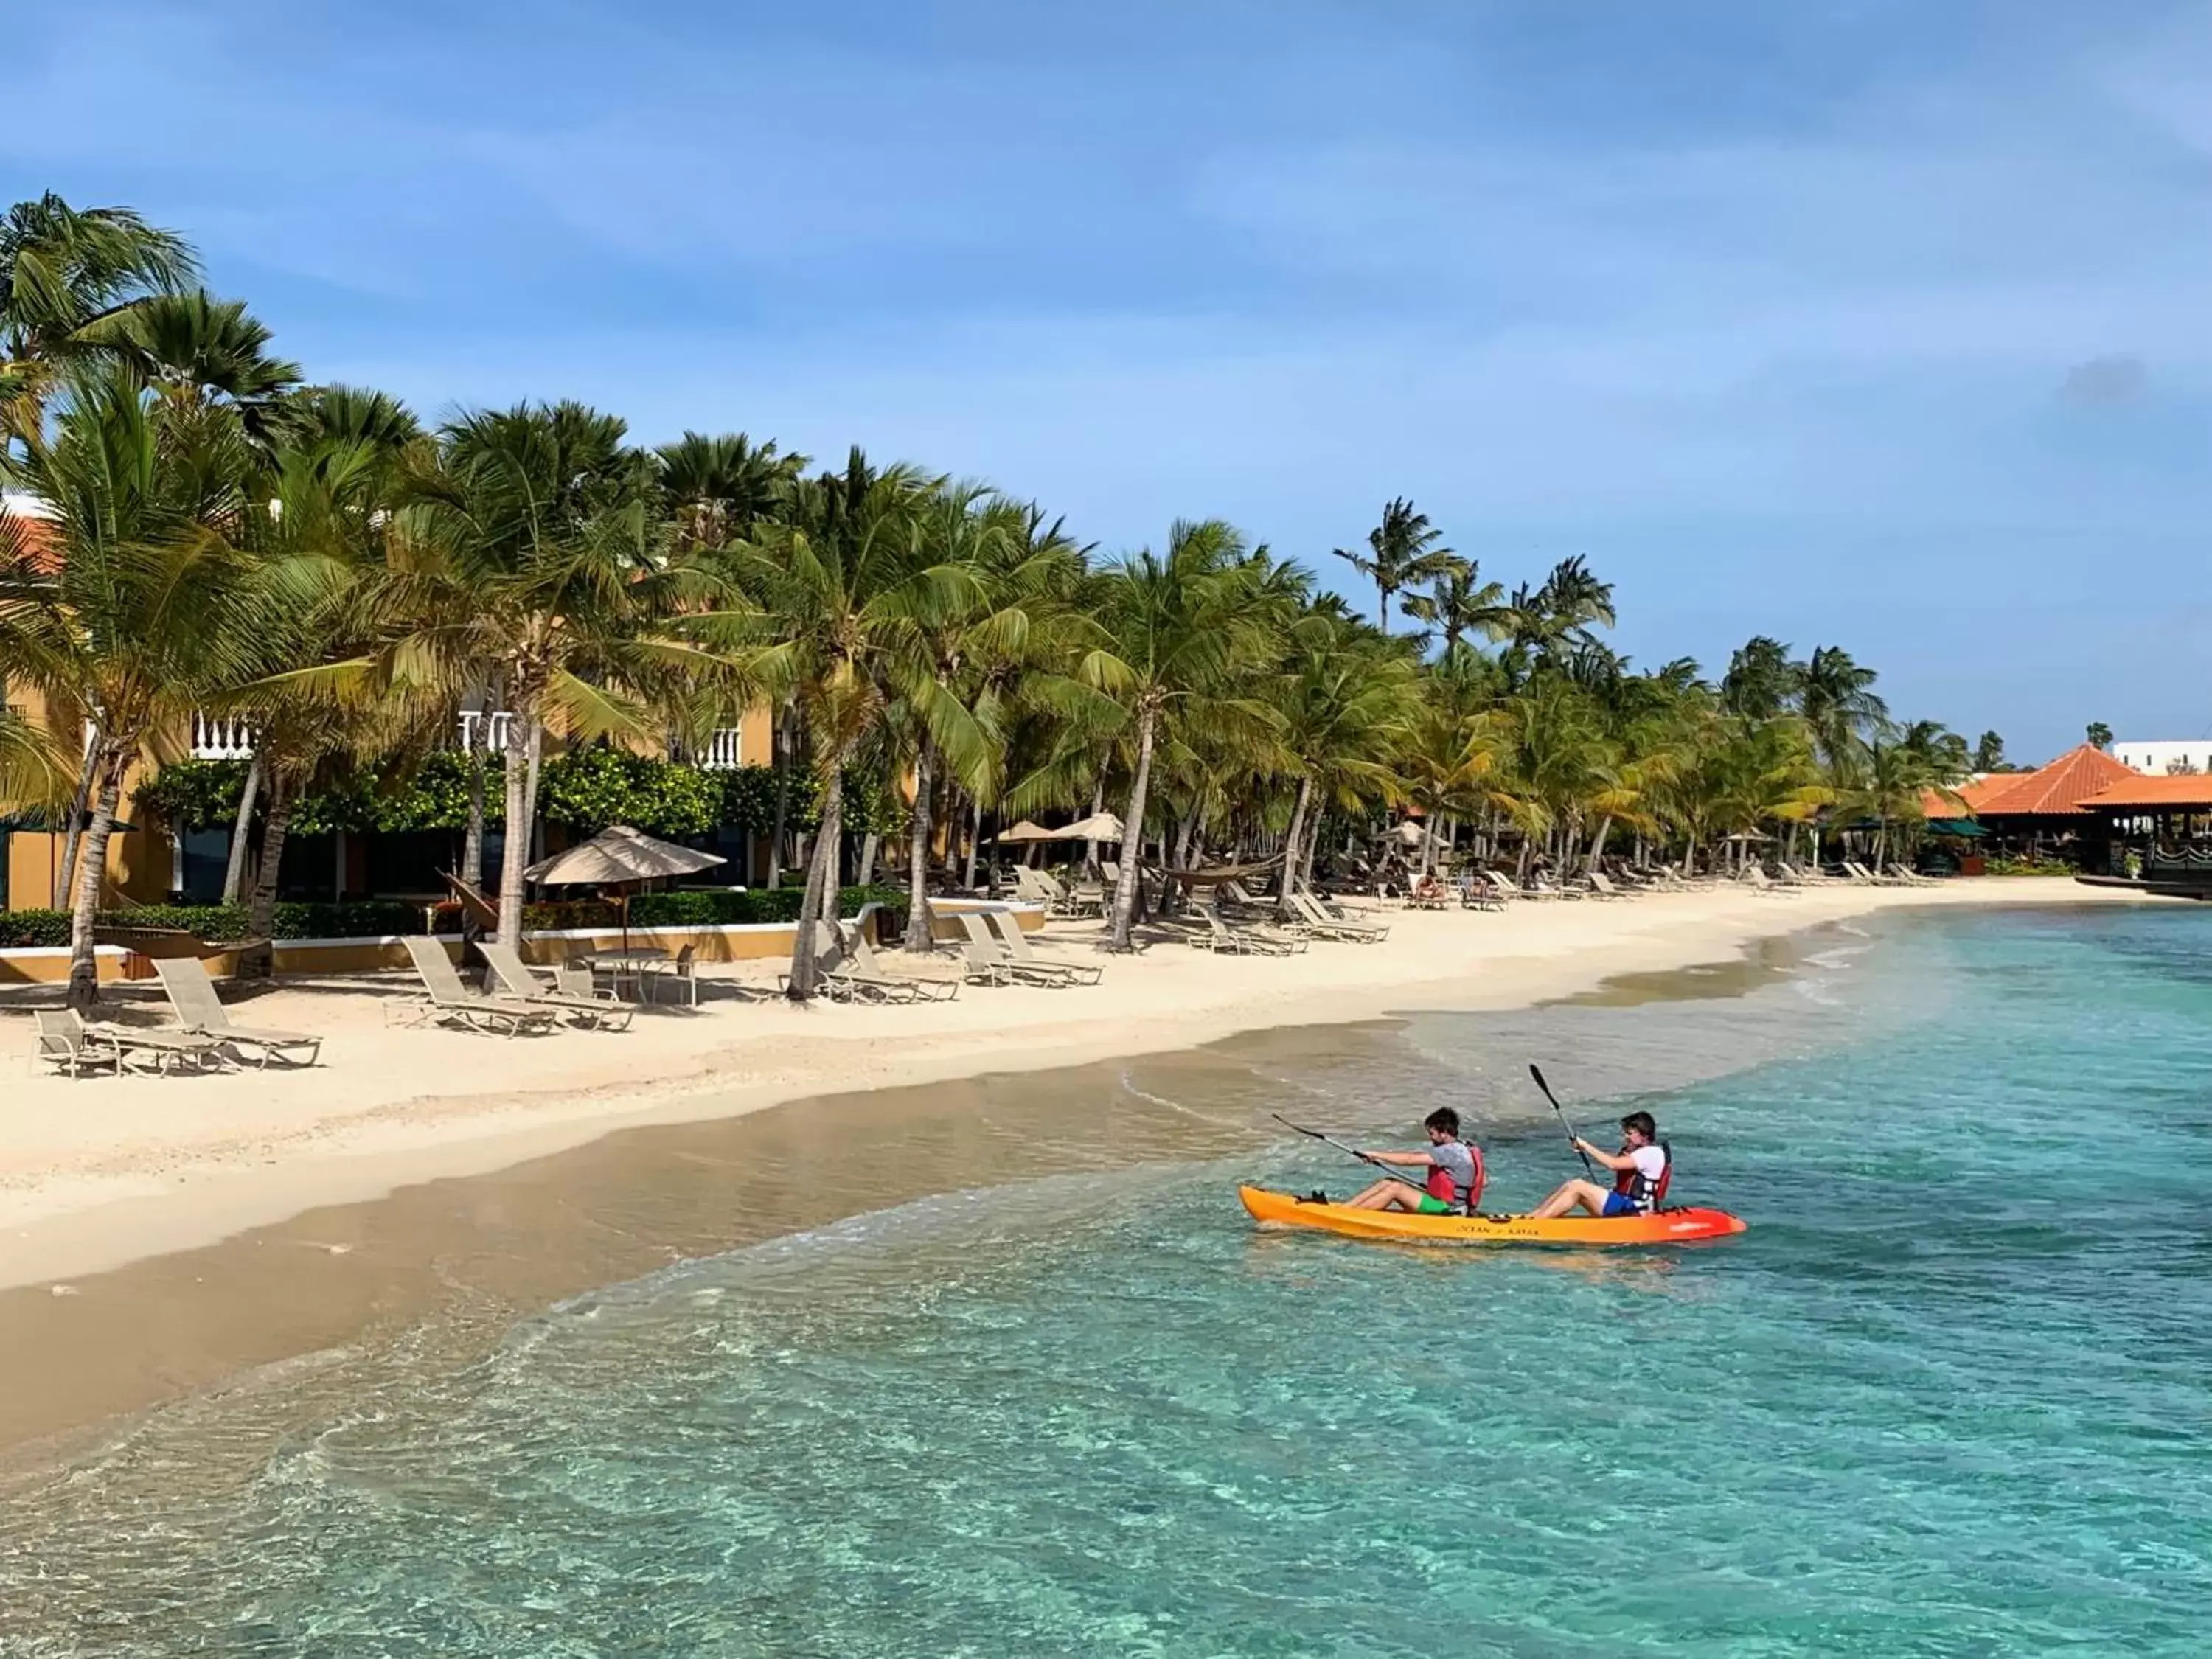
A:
x: 1912, y: 877
x: 1245, y: 941
x: 861, y: 973
x: 1475, y: 893
x: 199, y: 1009
x: 1020, y: 952
x: 448, y: 1002
x: 1601, y: 886
x: 985, y: 948
x: 1865, y: 877
x: 67, y: 1040
x: 1321, y: 923
x: 592, y: 1011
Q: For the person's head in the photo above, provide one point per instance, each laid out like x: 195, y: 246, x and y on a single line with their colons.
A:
x: 1639, y: 1129
x: 1443, y: 1124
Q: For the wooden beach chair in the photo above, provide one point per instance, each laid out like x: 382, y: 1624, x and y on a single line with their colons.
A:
x: 447, y: 1001
x: 192, y: 994
x: 595, y: 1010
x: 1022, y: 955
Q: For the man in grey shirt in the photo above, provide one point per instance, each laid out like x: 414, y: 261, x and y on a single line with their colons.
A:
x: 1455, y: 1178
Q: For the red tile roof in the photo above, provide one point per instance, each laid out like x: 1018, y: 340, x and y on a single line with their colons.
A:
x: 2185, y: 790
x: 2053, y: 791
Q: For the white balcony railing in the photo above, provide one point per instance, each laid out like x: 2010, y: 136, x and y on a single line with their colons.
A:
x: 721, y: 752
x: 217, y: 737
x: 485, y: 730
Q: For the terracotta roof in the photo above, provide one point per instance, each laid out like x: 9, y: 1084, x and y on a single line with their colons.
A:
x: 33, y: 524
x: 2185, y: 790
x: 2052, y: 791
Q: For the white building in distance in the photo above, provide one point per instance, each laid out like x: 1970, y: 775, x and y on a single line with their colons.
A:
x: 2165, y: 758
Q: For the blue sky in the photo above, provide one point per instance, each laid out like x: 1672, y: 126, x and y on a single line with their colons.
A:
x: 1861, y: 322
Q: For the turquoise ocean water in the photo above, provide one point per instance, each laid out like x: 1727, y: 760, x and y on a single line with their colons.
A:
x: 1950, y: 1396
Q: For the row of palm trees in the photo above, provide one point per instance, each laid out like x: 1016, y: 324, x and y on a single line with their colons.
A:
x: 311, y: 558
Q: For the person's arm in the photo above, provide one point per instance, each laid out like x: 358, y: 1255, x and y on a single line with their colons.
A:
x: 1614, y: 1160
x: 1412, y: 1160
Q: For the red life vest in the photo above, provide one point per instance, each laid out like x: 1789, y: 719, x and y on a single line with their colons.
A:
x: 1647, y: 1195
x: 1441, y: 1186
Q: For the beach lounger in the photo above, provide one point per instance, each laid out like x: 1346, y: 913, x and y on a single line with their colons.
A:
x: 192, y: 994
x: 862, y: 974
x: 1321, y: 923
x: 1601, y: 886
x: 1245, y: 941
x: 1543, y: 889
x: 446, y: 1000
x: 595, y: 1010
x: 1023, y: 955
x: 985, y: 947
x: 67, y: 1040
x: 1912, y: 877
x: 1865, y: 877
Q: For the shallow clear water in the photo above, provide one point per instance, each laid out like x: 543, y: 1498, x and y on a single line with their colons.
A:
x: 1949, y: 1396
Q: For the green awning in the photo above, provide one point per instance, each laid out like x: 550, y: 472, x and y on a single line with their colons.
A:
x: 1965, y: 827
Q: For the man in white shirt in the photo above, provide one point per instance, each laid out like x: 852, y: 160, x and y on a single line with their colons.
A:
x: 1642, y: 1167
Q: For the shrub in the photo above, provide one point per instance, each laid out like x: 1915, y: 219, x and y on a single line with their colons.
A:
x: 727, y: 907
x: 23, y: 930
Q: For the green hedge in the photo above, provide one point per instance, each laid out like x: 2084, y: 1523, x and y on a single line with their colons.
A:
x: 722, y: 908
x: 585, y: 789
x: 368, y: 918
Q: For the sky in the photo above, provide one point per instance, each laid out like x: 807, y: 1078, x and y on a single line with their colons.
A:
x: 1869, y: 323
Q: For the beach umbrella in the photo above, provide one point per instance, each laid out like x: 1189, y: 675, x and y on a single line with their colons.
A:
x: 1099, y: 826
x: 1025, y: 831
x: 617, y: 856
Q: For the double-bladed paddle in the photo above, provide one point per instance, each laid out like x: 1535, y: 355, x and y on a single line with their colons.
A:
x: 1573, y: 1140
x: 1329, y: 1140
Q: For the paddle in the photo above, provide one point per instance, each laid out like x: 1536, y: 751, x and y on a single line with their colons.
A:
x: 1315, y: 1134
x: 1573, y: 1140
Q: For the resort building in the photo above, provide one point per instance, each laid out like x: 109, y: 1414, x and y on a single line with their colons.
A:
x: 2040, y: 814
x: 2178, y: 757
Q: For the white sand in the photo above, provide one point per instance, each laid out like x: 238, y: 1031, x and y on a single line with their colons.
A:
x: 96, y: 1172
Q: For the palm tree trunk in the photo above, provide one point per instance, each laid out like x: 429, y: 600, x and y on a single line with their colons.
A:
x: 819, y: 901
x: 472, y: 838
x: 917, y: 850
x: 974, y: 840
x: 92, y: 874
x: 241, y: 830
x: 536, y: 737
x: 1880, y: 845
x: 514, y: 854
x: 260, y: 962
x: 870, y: 844
x: 70, y: 834
x: 1132, y: 834
x: 1597, y: 844
x: 1097, y: 806
x: 782, y: 742
x: 1290, y: 848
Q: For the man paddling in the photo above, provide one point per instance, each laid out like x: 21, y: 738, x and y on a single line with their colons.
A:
x: 1455, y: 1167
x: 1642, y: 1167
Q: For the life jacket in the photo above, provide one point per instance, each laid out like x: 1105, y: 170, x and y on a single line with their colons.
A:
x: 1441, y: 1186
x: 1646, y: 1194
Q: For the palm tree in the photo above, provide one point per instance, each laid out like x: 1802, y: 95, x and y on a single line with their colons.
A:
x: 528, y: 554
x: 64, y: 269
x: 1459, y: 603
x: 137, y: 620
x: 718, y: 487
x: 1761, y: 680
x: 1403, y: 552
x: 197, y: 351
x: 1174, y: 628
x: 1837, y: 699
x: 824, y: 578
x: 1346, y: 707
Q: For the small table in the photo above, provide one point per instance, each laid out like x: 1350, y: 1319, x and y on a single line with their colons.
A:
x: 634, y: 964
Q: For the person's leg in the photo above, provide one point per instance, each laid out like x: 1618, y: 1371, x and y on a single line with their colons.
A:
x: 1387, y: 1194
x: 1371, y: 1198
x: 1569, y: 1195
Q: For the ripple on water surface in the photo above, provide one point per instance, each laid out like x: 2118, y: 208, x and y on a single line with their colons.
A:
x: 1947, y: 1397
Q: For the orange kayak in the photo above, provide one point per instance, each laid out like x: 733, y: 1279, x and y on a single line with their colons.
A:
x: 1400, y: 1226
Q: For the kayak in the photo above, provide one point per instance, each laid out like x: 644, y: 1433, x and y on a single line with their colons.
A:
x: 1401, y: 1226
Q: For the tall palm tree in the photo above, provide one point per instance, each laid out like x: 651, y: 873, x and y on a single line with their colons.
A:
x: 197, y: 350
x: 1459, y: 603
x: 830, y: 580
x: 64, y: 269
x: 1836, y: 696
x: 1404, y: 551
x: 1346, y: 707
x: 717, y: 488
x: 1761, y: 679
x: 1174, y: 627
x: 528, y: 554
x: 135, y: 621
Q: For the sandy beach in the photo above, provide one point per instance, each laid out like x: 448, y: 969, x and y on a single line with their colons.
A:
x: 96, y: 1172
x: 162, y: 1235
